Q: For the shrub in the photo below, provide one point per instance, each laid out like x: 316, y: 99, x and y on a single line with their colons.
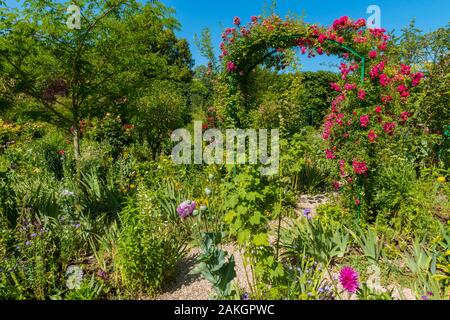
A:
x: 148, y: 250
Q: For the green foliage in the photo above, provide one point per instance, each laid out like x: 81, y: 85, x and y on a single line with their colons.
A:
x: 214, y: 266
x: 148, y: 250
x: 316, y: 239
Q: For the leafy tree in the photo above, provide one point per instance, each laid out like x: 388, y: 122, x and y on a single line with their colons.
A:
x: 73, y: 73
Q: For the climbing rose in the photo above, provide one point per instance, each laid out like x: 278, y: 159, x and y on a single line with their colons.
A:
x: 330, y: 154
x: 359, y: 167
x: 237, y: 21
x: 342, y: 167
x: 335, y: 86
x: 372, y: 54
x: 349, y: 279
x: 378, y: 109
x: 386, y: 99
x: 231, y: 66
x: 372, y: 136
x: 416, y: 78
x: 384, y: 80
x: 336, y: 185
x: 406, y: 70
x: 389, y: 127
x: 404, y: 116
x: 361, y: 94
x: 350, y: 86
x: 364, y: 121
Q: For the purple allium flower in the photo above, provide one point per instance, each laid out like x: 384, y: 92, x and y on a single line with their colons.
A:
x: 307, y: 213
x: 186, y: 208
x: 349, y: 279
x: 245, y: 296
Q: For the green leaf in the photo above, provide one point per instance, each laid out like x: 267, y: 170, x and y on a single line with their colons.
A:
x: 261, y: 239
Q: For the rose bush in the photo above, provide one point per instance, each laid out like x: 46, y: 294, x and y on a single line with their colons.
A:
x: 369, y: 109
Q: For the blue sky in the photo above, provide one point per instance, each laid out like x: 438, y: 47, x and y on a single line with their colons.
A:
x: 195, y: 15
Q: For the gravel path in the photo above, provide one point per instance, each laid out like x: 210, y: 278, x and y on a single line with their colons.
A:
x: 186, y: 286
x: 194, y: 287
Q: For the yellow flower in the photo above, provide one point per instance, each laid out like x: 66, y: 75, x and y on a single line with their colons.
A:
x: 441, y: 179
x: 132, y: 186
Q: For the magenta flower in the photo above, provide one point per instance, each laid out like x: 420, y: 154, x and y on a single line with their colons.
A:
x: 186, y: 208
x: 373, y: 54
x: 237, y: 21
x: 364, y: 121
x: 359, y: 167
x: 349, y: 279
x: 361, y: 94
x: 231, y: 66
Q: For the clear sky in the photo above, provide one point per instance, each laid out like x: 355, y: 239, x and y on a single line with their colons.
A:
x: 195, y: 15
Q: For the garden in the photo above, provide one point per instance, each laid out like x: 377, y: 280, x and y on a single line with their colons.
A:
x: 94, y: 207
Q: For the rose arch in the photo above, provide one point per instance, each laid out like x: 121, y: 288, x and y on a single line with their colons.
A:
x: 369, y: 108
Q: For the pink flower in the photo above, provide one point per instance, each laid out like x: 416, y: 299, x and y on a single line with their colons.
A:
x: 349, y: 279
x: 237, y: 21
x: 335, y: 86
x: 404, y: 116
x: 359, y: 167
x: 406, y: 70
x: 378, y: 109
x: 401, y: 88
x: 342, y: 168
x: 330, y: 154
x: 416, y: 78
x: 373, y: 54
x: 361, y: 22
x: 357, y: 202
x: 320, y: 50
x: 364, y: 121
x: 321, y: 38
x: 336, y: 185
x: 231, y: 66
x: 254, y: 19
x: 384, y: 80
x: 372, y: 136
x: 361, y: 94
x: 350, y: 86
x: 389, y: 127
x: 382, y: 46
x: 386, y: 99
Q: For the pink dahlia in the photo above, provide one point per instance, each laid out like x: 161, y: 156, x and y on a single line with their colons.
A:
x: 349, y: 279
